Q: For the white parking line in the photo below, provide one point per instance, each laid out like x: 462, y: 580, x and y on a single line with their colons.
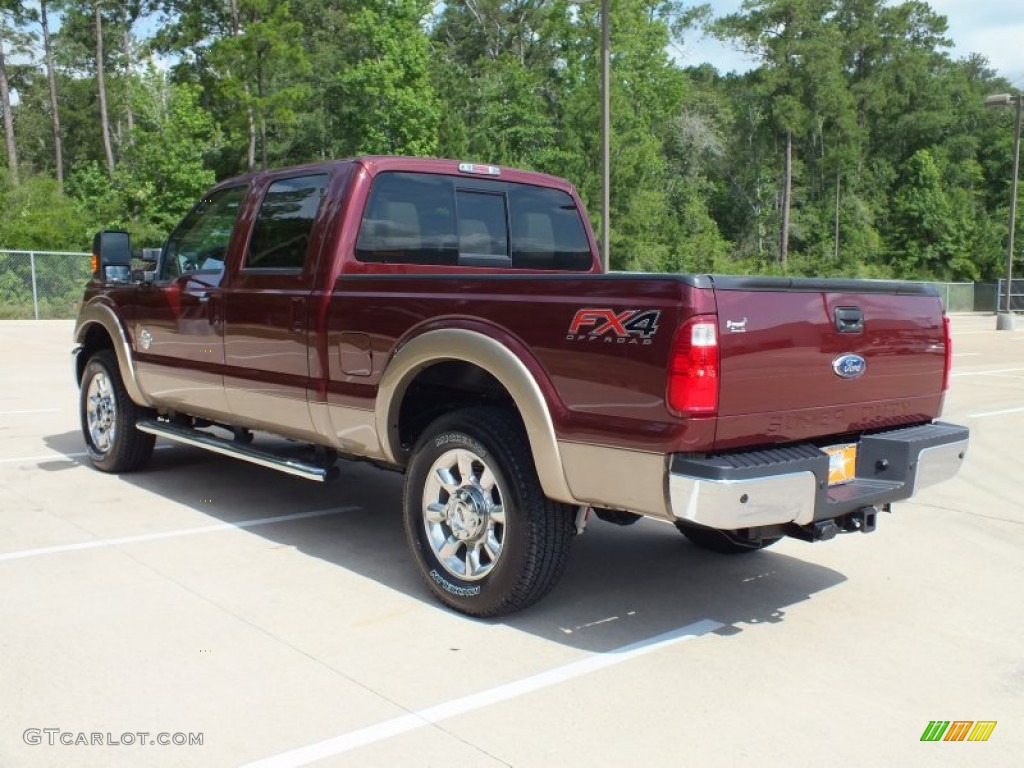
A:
x: 58, y: 456
x: 35, y: 410
x: 34, y: 459
x: 994, y: 413
x: 346, y: 742
x: 25, y: 553
x: 967, y: 354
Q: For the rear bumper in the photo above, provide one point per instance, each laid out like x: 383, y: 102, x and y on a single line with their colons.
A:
x: 790, y: 485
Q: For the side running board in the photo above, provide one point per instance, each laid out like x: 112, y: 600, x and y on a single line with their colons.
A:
x: 205, y: 440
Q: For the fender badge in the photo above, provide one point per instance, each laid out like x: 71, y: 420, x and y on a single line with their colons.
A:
x: 145, y: 339
x: 849, y: 366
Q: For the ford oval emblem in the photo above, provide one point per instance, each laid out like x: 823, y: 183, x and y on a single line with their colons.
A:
x: 849, y: 366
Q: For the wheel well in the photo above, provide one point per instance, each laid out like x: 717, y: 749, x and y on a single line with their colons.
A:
x: 96, y: 338
x: 444, y: 387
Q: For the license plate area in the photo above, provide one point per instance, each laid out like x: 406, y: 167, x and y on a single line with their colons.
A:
x: 842, y: 463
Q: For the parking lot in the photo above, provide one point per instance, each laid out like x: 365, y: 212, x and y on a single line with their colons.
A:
x: 281, y: 623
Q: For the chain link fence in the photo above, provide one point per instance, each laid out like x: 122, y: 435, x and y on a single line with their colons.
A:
x: 1016, y: 296
x: 967, y: 297
x: 42, y: 284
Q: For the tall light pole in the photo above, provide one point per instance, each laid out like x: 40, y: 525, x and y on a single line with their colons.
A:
x: 606, y: 129
x: 1005, y: 320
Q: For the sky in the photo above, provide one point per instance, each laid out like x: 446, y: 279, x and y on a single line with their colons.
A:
x: 993, y: 28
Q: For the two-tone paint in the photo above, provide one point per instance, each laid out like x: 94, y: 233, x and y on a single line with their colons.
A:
x: 327, y: 354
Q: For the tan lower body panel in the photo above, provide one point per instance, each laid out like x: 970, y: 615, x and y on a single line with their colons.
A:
x: 176, y: 389
x: 616, y: 478
x: 272, y: 412
x: 350, y: 430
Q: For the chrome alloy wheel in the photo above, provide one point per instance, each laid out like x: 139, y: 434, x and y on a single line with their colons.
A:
x: 464, y: 514
x: 101, y: 412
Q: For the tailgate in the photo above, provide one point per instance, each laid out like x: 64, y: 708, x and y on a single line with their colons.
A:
x: 805, y: 359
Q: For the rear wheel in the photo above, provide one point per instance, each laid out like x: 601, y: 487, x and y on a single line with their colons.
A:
x: 109, y: 417
x: 723, y: 542
x: 485, y: 538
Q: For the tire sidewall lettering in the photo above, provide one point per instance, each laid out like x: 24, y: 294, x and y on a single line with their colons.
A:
x: 450, y: 588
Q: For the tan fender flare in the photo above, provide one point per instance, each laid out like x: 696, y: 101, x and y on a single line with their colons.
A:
x: 498, y: 360
x: 97, y: 313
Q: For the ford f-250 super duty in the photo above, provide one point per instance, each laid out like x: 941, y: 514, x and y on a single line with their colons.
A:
x: 451, y: 320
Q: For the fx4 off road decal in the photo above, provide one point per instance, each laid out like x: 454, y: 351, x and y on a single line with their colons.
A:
x: 631, y: 326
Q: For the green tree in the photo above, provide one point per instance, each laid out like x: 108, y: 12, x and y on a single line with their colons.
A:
x: 923, y: 242
x: 163, y: 170
x: 800, y: 84
x: 13, y: 38
x: 372, y: 93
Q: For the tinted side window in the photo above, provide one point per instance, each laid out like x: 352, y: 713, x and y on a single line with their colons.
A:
x: 281, y: 234
x: 200, y: 242
x: 547, y: 231
x: 409, y: 219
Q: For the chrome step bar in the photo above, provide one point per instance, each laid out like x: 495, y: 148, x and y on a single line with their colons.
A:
x: 206, y: 441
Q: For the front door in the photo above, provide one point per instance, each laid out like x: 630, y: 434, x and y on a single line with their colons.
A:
x: 178, y: 324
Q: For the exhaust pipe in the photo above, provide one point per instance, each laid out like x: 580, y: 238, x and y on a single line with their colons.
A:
x: 825, y: 530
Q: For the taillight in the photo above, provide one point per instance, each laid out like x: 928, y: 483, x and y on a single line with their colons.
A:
x: 949, y: 353
x: 693, y: 368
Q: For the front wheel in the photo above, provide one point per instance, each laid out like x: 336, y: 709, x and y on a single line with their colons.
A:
x: 109, y: 417
x: 485, y: 538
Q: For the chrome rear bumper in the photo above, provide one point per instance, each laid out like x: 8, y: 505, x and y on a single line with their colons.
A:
x: 790, y: 485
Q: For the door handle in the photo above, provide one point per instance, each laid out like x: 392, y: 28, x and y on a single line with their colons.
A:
x: 849, y: 319
x: 208, y: 300
x: 297, y: 315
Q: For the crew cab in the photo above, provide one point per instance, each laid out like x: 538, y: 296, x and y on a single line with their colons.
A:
x: 451, y: 320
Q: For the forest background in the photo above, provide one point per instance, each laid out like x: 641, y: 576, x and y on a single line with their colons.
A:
x: 856, y: 144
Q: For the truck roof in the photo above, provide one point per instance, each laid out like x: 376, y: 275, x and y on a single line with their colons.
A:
x: 379, y: 163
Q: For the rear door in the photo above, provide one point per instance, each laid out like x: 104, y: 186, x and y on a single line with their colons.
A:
x: 805, y: 359
x: 267, y: 305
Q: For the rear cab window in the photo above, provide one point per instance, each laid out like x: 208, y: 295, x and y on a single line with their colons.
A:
x: 419, y: 218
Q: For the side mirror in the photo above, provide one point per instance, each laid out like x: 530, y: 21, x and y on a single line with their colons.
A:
x: 112, y: 256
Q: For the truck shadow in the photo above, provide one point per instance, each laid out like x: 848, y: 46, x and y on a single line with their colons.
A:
x: 622, y: 585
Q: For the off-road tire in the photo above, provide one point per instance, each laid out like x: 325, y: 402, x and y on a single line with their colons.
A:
x: 109, y: 416
x: 485, y: 456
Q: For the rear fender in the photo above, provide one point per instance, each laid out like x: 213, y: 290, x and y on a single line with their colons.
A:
x: 496, y: 358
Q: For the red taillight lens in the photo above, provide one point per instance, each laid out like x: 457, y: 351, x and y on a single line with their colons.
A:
x: 949, y: 353
x: 693, y: 368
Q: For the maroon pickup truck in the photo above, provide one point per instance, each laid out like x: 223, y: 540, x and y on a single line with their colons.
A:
x: 451, y: 320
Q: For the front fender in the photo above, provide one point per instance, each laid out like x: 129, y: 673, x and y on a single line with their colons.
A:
x: 94, y: 314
